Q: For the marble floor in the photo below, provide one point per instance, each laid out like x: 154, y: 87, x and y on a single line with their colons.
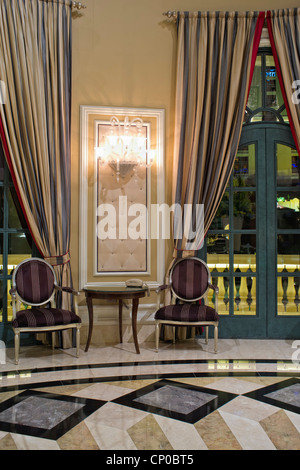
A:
x: 185, y: 397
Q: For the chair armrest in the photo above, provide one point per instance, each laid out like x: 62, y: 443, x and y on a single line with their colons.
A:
x: 69, y: 290
x: 215, y: 288
x: 14, y: 301
x: 13, y: 292
x: 162, y: 287
x: 158, y: 291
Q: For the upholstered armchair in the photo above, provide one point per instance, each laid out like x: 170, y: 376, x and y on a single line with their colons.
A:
x: 34, y: 285
x: 189, y: 283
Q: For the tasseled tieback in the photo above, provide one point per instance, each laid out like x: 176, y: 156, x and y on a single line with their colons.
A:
x: 59, y: 260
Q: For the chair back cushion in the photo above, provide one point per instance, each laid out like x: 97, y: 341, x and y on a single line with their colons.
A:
x: 189, y: 278
x: 34, y: 281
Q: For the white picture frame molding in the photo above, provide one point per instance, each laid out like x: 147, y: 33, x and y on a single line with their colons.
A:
x: 86, y: 112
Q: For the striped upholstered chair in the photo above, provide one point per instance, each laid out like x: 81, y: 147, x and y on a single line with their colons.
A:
x: 190, y: 281
x: 34, y: 285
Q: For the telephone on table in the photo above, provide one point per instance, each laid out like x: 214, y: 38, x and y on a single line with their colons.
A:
x: 136, y: 283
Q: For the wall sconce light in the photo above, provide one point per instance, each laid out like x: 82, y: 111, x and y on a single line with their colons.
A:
x: 125, y: 148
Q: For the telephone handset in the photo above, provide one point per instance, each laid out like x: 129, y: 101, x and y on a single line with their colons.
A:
x: 136, y: 283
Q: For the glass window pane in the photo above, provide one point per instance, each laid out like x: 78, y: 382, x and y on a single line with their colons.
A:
x: 288, y: 248
x: 19, y: 244
x: 288, y: 166
x: 254, y: 100
x: 288, y: 205
x: 288, y: 260
x: 16, y: 218
x: 1, y: 302
x: 218, y: 245
x: 221, y: 219
x: 244, y: 166
x: 1, y: 206
x: 288, y: 293
x: 244, y: 210
x: 1, y: 253
x: 244, y: 249
x: 2, y: 163
x: 274, y: 97
x: 222, y: 282
x: 245, y: 295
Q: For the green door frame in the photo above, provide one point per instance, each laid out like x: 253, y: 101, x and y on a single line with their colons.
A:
x: 278, y: 326
x: 251, y: 326
x: 266, y: 323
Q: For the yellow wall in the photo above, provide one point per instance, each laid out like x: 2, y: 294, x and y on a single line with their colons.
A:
x: 124, y: 55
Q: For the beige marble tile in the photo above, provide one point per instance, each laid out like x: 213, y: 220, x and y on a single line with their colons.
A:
x: 133, y: 384
x: 264, y: 381
x: 78, y: 438
x: 197, y: 381
x: 7, y: 443
x: 249, y: 408
x: 116, y: 416
x: 294, y: 418
x: 281, y: 431
x: 248, y: 433
x: 216, y: 434
x: 63, y: 389
x: 181, y: 435
x: 110, y: 438
x: 7, y: 395
x: 232, y: 385
x: 102, y: 391
x: 148, y: 435
x: 34, y: 443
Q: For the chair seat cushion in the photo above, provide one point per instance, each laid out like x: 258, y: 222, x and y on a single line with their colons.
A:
x: 187, y: 313
x: 38, y: 317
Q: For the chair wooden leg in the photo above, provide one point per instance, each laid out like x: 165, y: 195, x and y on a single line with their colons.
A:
x: 174, y: 334
x: 53, y: 339
x: 77, y: 341
x: 206, y: 335
x: 157, y: 331
x: 216, y: 338
x: 17, y: 347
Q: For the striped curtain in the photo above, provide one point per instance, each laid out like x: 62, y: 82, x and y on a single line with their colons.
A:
x: 215, y: 52
x: 35, y: 65
x: 284, y: 32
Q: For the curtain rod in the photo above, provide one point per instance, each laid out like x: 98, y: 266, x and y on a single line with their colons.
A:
x: 76, y: 5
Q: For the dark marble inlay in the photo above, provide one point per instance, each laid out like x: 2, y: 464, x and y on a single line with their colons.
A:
x: 40, y: 412
x: 176, y: 400
x: 179, y: 400
x: 289, y: 395
x: 285, y: 394
x: 44, y: 415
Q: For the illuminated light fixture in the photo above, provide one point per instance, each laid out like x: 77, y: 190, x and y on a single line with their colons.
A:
x: 125, y: 148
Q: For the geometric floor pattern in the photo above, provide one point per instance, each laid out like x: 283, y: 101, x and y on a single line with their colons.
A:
x: 65, y: 418
x: 192, y: 410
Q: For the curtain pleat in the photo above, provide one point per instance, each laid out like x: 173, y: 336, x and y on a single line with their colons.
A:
x: 216, y: 54
x: 35, y: 65
x: 284, y: 32
x: 214, y: 57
